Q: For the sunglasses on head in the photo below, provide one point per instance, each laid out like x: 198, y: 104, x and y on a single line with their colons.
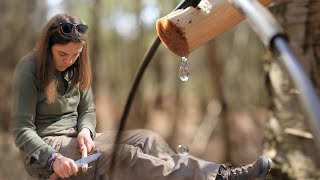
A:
x: 68, y: 27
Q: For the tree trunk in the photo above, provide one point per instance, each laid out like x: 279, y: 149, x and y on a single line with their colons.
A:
x: 288, y: 139
x: 96, y: 46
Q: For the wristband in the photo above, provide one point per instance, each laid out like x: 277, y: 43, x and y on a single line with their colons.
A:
x: 51, y: 160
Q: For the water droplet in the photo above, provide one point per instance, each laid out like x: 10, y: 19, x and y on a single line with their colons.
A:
x: 184, y: 59
x: 184, y: 73
x: 182, y: 149
x: 183, y: 70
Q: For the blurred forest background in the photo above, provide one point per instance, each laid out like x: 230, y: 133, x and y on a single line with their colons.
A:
x: 238, y: 103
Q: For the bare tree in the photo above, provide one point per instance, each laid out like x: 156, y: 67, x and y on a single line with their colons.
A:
x: 289, y: 141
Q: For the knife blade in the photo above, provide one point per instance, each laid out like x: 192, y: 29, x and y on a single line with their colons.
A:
x: 88, y: 159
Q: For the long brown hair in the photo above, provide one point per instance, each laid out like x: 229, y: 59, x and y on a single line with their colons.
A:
x: 51, y: 35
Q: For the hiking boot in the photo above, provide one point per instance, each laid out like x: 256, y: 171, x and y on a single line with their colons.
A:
x: 258, y: 170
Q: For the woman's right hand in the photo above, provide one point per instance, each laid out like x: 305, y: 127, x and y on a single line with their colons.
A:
x: 64, y: 167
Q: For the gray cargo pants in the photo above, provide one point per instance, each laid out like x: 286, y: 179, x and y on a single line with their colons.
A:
x: 142, y: 154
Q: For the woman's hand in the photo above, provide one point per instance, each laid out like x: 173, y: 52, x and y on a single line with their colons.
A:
x: 64, y: 167
x: 85, y: 141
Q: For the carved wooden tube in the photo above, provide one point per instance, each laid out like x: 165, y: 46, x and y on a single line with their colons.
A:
x: 183, y: 31
x: 84, y: 154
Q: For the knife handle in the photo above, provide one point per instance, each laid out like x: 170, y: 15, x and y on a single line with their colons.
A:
x: 54, y: 176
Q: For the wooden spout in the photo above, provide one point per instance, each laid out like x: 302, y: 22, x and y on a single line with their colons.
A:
x: 183, y: 31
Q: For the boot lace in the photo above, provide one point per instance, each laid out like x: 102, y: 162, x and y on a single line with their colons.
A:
x: 231, y: 169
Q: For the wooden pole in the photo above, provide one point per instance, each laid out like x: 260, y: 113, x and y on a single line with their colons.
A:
x: 185, y: 30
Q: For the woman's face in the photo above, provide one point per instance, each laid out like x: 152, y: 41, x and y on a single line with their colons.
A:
x: 64, y: 55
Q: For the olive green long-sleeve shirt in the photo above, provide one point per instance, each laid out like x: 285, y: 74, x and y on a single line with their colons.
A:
x: 34, y: 118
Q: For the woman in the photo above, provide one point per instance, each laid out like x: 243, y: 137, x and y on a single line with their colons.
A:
x: 54, y: 120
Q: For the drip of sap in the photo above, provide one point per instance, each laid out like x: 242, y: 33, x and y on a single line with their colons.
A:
x: 182, y: 149
x: 183, y: 70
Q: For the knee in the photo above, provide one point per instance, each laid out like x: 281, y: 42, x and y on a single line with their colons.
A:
x: 149, y: 136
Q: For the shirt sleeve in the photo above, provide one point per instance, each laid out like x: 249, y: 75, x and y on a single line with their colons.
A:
x: 86, y: 112
x: 25, y: 95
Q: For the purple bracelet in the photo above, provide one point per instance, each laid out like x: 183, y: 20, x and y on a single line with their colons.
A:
x: 51, y: 158
x: 50, y: 162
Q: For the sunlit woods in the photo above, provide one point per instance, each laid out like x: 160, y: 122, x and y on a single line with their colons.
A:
x: 18, y: 33
x: 221, y: 112
x: 17, y: 37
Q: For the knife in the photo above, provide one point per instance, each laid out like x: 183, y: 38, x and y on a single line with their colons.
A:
x: 80, y: 162
x: 88, y: 159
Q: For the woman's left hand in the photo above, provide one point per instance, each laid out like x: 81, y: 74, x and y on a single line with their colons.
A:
x: 85, y: 141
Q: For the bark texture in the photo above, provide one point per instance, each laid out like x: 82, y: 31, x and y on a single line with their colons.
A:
x: 288, y: 139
